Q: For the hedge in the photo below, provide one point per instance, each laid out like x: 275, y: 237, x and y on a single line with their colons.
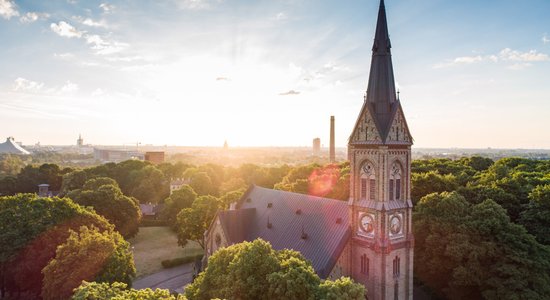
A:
x: 170, y: 263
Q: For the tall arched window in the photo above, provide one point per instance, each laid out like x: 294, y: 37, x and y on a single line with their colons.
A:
x: 395, y: 186
x: 368, y: 182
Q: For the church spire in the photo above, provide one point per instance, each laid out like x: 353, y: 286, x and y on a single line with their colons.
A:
x: 381, y: 94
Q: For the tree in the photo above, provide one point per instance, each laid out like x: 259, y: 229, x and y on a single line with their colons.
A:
x: 104, y: 195
x: 73, y: 181
x: 431, y: 182
x: 31, y: 228
x: 231, y: 197
x: 180, y: 199
x: 87, y: 255
x: 193, y: 222
x: 118, y: 290
x: 465, y: 251
x: 253, y: 270
x: 10, y: 165
x: 201, y: 183
x: 536, y: 217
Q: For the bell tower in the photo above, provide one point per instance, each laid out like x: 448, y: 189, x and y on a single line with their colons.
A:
x: 379, y: 151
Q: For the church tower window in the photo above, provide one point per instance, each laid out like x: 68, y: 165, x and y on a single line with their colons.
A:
x: 395, y: 182
x: 365, y: 264
x: 368, y: 182
x: 396, y: 266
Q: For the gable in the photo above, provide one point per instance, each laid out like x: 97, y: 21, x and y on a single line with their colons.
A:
x: 398, y: 132
x: 366, y: 129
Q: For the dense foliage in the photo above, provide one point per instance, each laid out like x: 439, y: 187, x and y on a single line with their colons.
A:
x: 192, y: 222
x: 253, y: 270
x: 477, y: 241
x: 31, y: 229
x: 474, y: 251
x: 85, y: 256
x: 104, y: 195
x: 119, y: 291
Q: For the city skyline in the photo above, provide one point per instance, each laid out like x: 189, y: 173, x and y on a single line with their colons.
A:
x: 270, y: 73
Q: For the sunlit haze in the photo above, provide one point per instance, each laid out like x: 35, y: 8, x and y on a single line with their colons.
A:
x: 471, y: 74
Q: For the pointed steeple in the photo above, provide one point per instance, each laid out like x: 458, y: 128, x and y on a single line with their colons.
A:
x: 381, y: 120
x: 381, y: 95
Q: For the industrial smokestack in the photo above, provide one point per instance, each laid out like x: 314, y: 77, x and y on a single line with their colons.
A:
x: 332, y: 153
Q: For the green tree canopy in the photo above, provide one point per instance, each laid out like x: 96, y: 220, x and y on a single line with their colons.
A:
x: 119, y: 291
x: 253, y: 270
x: 31, y: 228
x: 536, y: 218
x: 193, y: 222
x: 178, y: 200
x: 465, y: 251
x: 202, y: 184
x: 87, y: 255
x: 104, y: 195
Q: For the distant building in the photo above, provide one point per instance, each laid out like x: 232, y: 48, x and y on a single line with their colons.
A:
x: 225, y: 145
x: 80, y: 141
x: 177, y: 183
x: 316, y: 146
x: 156, y: 157
x: 11, y: 147
x: 43, y: 190
x: 150, y: 211
x: 112, y: 155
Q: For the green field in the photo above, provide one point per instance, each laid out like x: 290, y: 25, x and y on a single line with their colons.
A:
x: 155, y: 244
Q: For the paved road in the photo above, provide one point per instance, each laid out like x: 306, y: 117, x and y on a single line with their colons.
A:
x: 173, y: 279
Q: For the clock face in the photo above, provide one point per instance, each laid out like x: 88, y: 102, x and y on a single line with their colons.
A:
x: 367, y: 224
x: 395, y: 224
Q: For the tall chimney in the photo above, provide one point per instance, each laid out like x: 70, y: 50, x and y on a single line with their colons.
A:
x: 332, y: 154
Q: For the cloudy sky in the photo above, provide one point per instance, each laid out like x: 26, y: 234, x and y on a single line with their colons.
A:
x: 270, y: 72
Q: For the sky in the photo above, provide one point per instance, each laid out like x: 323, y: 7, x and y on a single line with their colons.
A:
x: 472, y: 74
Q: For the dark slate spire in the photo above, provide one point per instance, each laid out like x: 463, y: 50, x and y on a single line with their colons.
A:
x: 381, y: 89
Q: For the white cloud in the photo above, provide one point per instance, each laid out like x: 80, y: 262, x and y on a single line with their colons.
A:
x: 33, y: 16
x: 196, y: 4
x: 107, y: 7
x: 513, y: 55
x: 281, y: 16
x: 90, y: 22
x: 64, y: 56
x: 545, y: 39
x: 65, y: 29
x: 522, y: 59
x: 8, y: 9
x: 69, y: 87
x: 22, y: 84
x: 98, y: 92
x: 28, y: 86
x: 519, y: 66
x: 104, y: 47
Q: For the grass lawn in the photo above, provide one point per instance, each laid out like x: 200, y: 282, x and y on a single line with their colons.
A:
x: 155, y: 244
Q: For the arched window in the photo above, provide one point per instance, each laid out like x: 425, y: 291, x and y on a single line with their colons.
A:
x: 395, y: 186
x: 368, y: 182
x: 365, y: 264
x: 396, y: 266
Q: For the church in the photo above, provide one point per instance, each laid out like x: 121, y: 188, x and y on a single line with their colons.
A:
x: 369, y: 238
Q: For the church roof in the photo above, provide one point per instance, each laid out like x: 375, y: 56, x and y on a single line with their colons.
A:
x: 12, y: 148
x: 316, y: 227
